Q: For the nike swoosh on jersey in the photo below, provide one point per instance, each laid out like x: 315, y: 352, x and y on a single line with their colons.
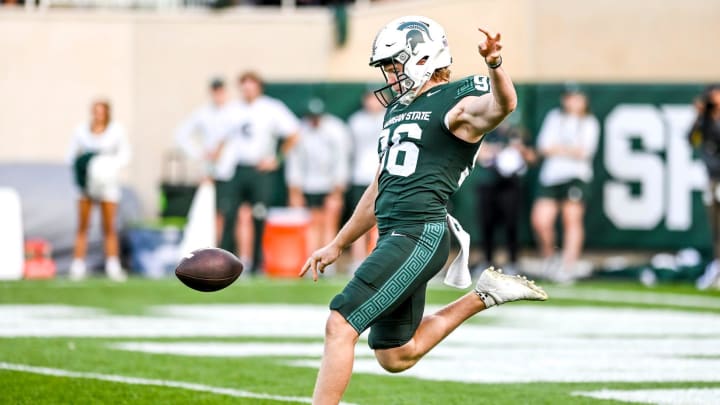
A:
x: 396, y: 234
x: 431, y: 93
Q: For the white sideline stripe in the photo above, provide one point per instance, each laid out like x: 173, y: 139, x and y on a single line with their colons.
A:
x: 670, y: 396
x: 669, y: 299
x: 146, y: 381
x: 229, y: 349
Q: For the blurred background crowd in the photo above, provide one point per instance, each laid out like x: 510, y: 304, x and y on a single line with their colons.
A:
x: 256, y: 129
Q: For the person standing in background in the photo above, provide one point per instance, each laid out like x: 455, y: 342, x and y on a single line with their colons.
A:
x: 365, y: 127
x: 504, y: 159
x: 247, y: 157
x: 98, y: 150
x: 317, y: 172
x: 212, y: 122
x: 568, y: 141
x: 705, y: 137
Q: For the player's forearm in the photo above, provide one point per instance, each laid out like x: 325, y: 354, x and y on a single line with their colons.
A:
x: 487, y: 113
x: 503, y: 91
x: 361, y: 221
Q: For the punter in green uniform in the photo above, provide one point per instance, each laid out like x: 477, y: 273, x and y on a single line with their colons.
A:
x: 431, y: 133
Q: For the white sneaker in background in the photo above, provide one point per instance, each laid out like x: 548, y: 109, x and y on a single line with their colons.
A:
x: 568, y: 274
x: 113, y: 269
x: 583, y: 269
x: 495, y: 288
x: 78, y: 270
x: 648, y: 277
x: 551, y: 266
x: 563, y: 275
x: 711, y: 277
x: 511, y: 269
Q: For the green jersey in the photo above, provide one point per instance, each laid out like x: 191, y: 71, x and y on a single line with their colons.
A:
x: 422, y: 162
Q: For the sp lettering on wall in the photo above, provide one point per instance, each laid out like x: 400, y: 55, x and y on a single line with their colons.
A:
x: 648, y: 186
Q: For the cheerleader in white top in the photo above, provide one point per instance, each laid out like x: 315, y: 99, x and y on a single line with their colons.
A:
x: 99, y: 149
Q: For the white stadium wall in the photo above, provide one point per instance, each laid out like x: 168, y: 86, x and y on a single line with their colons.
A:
x: 154, y: 67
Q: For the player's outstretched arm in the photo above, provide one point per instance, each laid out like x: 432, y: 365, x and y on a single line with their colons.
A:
x: 361, y: 221
x: 474, y: 116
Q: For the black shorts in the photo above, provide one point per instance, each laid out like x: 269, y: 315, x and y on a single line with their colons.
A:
x: 315, y: 200
x: 387, y: 292
x: 247, y: 185
x: 574, y: 190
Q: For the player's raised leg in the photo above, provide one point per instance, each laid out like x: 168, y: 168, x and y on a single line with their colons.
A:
x: 493, y: 288
x: 432, y: 330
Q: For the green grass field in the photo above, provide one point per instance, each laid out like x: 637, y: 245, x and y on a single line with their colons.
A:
x: 257, y: 343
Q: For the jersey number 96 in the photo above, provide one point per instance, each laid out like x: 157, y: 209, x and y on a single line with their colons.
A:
x: 401, y: 159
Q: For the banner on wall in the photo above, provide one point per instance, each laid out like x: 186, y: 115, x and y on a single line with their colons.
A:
x: 647, y: 192
x: 648, y: 186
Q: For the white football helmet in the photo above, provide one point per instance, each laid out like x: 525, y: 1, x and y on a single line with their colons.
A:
x: 419, y: 45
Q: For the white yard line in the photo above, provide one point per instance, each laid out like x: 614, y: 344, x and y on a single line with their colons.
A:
x: 553, y: 343
x: 146, y: 381
x: 669, y: 396
x: 630, y: 297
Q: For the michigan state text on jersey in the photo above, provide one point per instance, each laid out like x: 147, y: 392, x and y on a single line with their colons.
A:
x: 422, y: 162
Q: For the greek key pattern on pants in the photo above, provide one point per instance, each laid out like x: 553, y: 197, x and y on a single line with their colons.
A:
x: 398, y: 283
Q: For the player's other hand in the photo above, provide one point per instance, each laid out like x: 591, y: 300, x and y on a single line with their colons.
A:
x: 268, y: 165
x: 490, y: 48
x: 320, y: 259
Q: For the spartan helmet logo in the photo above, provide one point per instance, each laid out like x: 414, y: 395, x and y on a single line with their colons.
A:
x: 415, y: 32
x: 413, y: 38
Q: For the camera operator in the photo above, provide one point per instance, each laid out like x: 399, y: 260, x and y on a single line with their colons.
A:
x: 705, y: 136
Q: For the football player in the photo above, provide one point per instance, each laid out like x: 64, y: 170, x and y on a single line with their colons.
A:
x: 431, y: 134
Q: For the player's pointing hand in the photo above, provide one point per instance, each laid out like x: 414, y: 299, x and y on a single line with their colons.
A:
x: 490, y: 48
x: 320, y: 259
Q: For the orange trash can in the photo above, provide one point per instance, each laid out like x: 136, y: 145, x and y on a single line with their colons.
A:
x: 285, y: 241
x: 38, y: 260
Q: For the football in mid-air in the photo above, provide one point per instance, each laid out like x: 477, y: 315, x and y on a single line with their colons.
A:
x: 209, y: 269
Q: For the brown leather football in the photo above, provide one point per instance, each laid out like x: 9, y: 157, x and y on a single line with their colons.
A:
x: 209, y: 269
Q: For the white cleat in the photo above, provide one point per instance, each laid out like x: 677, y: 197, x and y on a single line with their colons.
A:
x: 114, y: 271
x: 495, y: 288
x: 78, y: 270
